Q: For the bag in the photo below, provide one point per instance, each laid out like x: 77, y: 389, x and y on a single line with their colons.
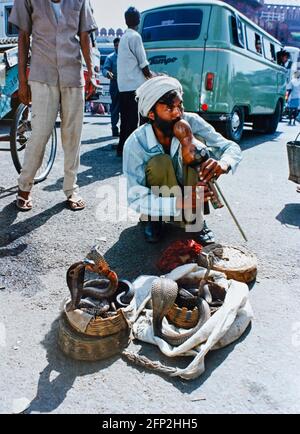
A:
x: 293, y: 151
x: 179, y: 253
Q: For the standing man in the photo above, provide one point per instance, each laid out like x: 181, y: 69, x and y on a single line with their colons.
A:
x: 133, y: 70
x: 110, y: 71
x: 59, y: 29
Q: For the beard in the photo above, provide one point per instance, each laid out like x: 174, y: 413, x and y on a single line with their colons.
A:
x: 165, y: 126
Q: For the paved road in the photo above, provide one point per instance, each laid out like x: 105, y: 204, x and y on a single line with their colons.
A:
x: 259, y: 373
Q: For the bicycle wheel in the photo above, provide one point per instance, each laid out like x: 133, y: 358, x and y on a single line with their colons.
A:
x: 20, y: 133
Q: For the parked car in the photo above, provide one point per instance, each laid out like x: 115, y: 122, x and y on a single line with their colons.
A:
x: 226, y: 63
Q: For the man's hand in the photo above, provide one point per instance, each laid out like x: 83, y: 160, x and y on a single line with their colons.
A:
x: 110, y: 75
x: 24, y: 93
x: 212, y: 169
x: 190, y: 201
x: 90, y: 79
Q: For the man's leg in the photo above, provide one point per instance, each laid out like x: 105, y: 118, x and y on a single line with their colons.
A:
x: 159, y: 173
x: 129, y: 118
x: 45, y: 104
x: 115, y: 109
x: 72, y: 103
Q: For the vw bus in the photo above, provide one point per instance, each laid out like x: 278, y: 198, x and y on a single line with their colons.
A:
x: 226, y: 64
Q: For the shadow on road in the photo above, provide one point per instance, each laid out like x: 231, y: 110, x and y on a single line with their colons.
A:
x: 97, y: 140
x: 290, y: 215
x: 52, y: 392
x: 143, y: 256
x: 255, y: 138
x: 100, y: 165
x: 11, y: 232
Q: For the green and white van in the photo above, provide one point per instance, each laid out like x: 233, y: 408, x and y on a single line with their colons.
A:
x: 226, y: 64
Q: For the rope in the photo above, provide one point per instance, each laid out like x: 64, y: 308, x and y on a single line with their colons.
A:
x: 147, y: 363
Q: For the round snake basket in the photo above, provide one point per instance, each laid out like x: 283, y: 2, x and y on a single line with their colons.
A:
x: 183, y: 317
x: 236, y: 262
x: 104, y: 338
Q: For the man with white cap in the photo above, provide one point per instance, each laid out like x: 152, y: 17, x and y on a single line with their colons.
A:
x: 153, y: 158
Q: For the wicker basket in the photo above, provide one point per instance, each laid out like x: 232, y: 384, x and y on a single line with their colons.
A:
x: 238, y: 263
x: 106, y: 337
x: 183, y: 317
x: 102, y: 327
x: 293, y: 151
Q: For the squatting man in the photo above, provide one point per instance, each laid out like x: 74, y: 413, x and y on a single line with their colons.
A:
x: 153, y: 159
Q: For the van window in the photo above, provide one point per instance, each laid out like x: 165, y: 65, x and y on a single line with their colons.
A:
x: 11, y: 30
x: 237, y: 31
x: 180, y: 24
x: 269, y: 50
x: 254, y: 41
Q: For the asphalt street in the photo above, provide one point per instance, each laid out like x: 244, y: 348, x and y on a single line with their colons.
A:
x: 259, y: 373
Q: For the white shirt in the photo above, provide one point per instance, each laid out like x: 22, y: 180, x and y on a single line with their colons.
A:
x: 131, y: 60
x: 142, y: 145
x: 294, y: 86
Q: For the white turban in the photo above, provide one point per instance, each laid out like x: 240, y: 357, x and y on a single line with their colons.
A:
x: 153, y: 89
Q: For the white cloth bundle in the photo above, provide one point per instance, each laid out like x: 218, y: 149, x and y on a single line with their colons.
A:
x: 224, y: 327
x: 153, y: 89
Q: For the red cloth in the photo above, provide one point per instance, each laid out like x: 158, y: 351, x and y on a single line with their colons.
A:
x: 179, y: 253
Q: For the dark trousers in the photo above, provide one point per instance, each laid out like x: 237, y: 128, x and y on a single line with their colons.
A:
x: 129, y: 117
x: 115, y: 104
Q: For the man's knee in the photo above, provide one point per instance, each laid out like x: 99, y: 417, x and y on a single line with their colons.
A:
x: 157, y: 169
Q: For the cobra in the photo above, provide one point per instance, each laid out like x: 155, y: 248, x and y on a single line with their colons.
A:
x: 98, y: 289
x: 164, y: 292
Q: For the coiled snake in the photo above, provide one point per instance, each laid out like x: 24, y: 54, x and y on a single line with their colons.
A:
x: 164, y: 292
x: 101, y: 289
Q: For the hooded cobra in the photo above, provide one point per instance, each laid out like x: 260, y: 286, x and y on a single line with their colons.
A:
x: 164, y: 292
x: 100, y: 289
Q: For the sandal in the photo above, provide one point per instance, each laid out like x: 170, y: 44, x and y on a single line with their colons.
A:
x: 24, y: 204
x: 75, y: 204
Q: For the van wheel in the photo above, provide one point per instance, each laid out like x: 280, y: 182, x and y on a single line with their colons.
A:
x: 271, y: 121
x: 235, y: 125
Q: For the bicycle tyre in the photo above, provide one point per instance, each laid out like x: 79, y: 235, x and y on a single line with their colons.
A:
x: 15, y: 150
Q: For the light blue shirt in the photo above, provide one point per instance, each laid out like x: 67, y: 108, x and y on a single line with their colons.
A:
x: 110, y: 64
x: 142, y: 145
x: 56, y: 9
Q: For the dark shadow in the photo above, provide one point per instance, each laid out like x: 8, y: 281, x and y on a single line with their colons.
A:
x: 12, y: 232
x: 97, y: 140
x: 51, y: 393
x: 143, y: 256
x: 212, y: 360
x: 251, y: 284
x: 8, y: 191
x: 256, y: 138
x: 13, y: 251
x: 8, y: 215
x: 97, y: 123
x: 100, y: 165
x: 290, y: 215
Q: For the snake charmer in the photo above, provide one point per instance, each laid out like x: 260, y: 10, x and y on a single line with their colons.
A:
x: 155, y: 156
